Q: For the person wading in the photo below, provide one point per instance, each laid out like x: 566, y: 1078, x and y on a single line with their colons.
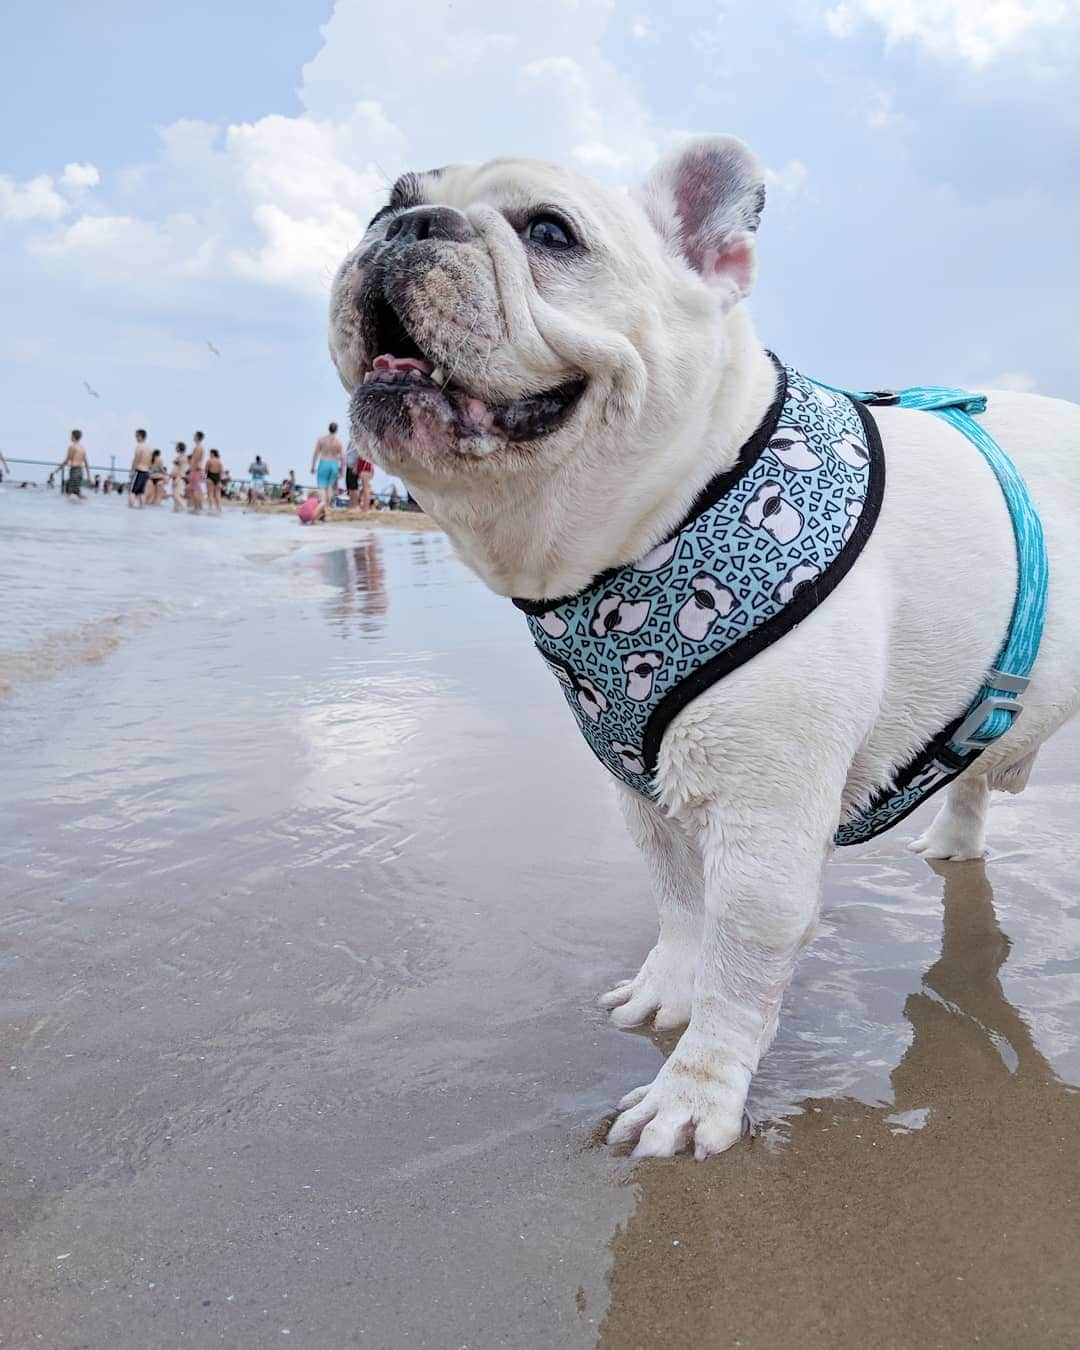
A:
x: 77, y: 466
x: 140, y: 469
x: 178, y: 476
x: 213, y: 482
x: 196, y: 474
x: 327, y: 463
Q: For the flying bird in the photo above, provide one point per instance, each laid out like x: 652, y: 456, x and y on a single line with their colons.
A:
x: 212, y: 347
x: 92, y: 392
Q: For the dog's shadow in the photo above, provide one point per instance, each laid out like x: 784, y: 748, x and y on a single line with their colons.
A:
x: 971, y: 1168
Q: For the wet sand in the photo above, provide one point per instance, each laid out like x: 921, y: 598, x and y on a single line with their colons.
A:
x: 307, y: 904
x: 857, y: 1230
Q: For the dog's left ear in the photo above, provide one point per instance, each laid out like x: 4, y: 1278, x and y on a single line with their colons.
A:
x: 705, y: 200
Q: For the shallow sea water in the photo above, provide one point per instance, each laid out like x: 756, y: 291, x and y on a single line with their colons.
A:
x: 309, y: 888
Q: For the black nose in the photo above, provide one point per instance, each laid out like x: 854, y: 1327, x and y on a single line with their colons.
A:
x: 429, y: 222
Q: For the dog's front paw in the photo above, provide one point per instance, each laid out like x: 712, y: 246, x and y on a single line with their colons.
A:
x: 696, y: 1099
x: 664, y: 985
x: 949, y: 844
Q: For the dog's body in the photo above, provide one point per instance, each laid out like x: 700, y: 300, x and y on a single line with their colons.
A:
x: 589, y: 398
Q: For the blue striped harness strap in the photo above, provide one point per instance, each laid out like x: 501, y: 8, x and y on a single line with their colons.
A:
x: 762, y: 546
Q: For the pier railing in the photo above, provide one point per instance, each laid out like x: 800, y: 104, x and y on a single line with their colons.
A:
x: 120, y: 478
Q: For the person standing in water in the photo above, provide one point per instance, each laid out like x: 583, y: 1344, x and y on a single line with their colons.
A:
x: 156, y: 489
x: 352, y: 481
x: 5, y: 467
x: 364, y: 471
x: 77, y: 465
x: 258, y: 471
x: 213, y: 482
x: 196, y: 471
x: 329, y: 456
x: 358, y: 471
x: 178, y: 475
x: 140, y: 469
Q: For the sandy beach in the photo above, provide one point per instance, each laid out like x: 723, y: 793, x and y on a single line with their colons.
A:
x: 348, y: 515
x: 309, y: 891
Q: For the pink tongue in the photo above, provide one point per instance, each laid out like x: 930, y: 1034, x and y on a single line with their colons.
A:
x: 403, y: 363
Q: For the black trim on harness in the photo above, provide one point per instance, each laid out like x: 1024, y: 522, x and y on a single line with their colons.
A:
x: 937, y: 750
x: 782, y: 622
x: 709, y: 495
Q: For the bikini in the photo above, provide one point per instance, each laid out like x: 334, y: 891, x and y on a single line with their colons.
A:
x: 762, y: 546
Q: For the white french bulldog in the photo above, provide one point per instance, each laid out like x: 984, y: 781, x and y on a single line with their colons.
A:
x: 556, y: 370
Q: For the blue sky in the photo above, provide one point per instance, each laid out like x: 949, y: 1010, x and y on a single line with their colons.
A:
x: 174, y: 175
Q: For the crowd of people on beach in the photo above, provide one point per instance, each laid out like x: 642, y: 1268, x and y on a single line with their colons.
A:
x: 197, y: 478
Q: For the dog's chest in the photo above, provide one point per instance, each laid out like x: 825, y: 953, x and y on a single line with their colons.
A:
x: 762, y: 547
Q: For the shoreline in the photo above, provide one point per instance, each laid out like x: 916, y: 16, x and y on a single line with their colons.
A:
x: 348, y: 515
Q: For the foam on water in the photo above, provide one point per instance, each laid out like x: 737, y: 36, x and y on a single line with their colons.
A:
x: 78, y: 579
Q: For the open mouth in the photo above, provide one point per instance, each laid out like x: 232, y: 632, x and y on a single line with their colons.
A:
x: 402, y: 381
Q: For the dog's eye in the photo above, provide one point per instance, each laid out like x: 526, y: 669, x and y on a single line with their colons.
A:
x: 548, y: 233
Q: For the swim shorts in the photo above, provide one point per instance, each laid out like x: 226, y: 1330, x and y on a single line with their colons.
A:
x: 352, y: 481
x: 138, y: 483
x: 328, y: 473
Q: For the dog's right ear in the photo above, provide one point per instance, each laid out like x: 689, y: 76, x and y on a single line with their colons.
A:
x: 705, y: 200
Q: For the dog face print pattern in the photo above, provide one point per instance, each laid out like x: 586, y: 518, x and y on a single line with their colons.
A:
x: 620, y: 646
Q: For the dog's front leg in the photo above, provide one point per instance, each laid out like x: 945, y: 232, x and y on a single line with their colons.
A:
x: 762, y: 881
x: 665, y: 983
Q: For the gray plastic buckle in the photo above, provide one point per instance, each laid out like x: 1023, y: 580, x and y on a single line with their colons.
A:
x: 1012, y: 684
x: 964, y: 736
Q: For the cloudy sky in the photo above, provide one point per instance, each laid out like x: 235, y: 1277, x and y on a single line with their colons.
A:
x: 184, y: 174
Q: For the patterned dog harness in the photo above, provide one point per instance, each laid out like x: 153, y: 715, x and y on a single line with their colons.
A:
x: 762, y: 547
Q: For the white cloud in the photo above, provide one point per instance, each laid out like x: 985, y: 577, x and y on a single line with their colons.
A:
x: 282, y: 199
x: 642, y: 29
x: 1017, y: 380
x: 125, y: 252
x: 310, y: 191
x: 596, y: 121
x: 78, y: 177
x: 975, y: 31
x: 841, y: 20
x: 880, y: 113
x: 497, y: 80
x: 36, y: 199
x: 788, y: 182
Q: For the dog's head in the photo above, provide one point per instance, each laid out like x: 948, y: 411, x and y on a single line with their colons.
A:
x: 497, y: 322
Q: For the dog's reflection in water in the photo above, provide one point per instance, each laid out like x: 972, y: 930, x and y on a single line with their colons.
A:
x: 962, y: 1232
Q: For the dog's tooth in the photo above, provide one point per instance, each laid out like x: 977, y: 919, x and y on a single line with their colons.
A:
x: 438, y: 375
